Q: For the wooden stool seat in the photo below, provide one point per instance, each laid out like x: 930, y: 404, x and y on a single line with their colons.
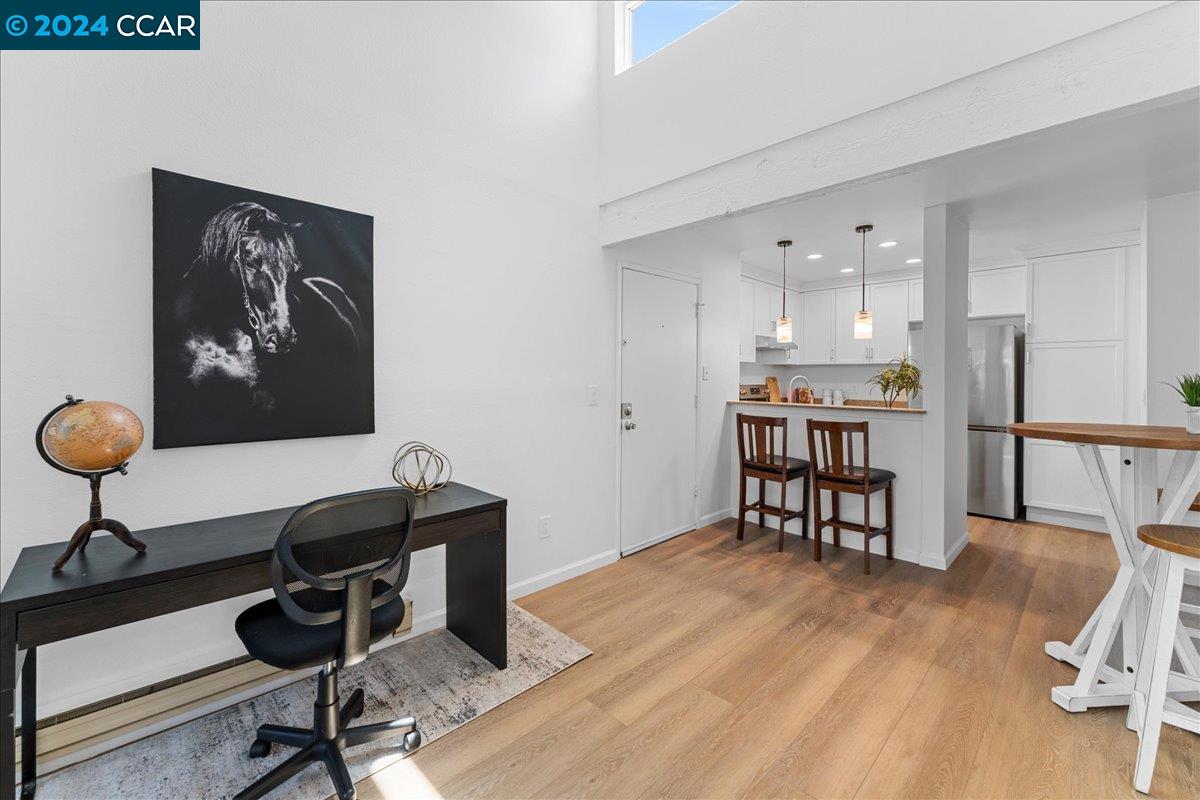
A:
x: 1177, y: 550
x: 761, y: 459
x: 1182, y: 540
x: 831, y: 448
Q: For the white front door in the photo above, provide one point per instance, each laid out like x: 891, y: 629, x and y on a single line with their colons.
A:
x: 658, y: 386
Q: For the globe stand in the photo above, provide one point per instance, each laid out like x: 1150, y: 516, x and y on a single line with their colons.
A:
x: 96, y: 519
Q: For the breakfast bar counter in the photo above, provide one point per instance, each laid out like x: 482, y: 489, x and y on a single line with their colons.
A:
x: 896, y: 436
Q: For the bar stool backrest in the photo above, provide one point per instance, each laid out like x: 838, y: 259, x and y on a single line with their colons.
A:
x: 831, y: 450
x: 756, y: 439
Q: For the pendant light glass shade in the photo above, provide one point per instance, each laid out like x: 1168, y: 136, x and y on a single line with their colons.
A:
x: 863, y: 325
x: 783, y: 325
x: 783, y: 330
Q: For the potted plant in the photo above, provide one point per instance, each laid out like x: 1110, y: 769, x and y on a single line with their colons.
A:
x: 1188, y: 387
x: 900, y: 375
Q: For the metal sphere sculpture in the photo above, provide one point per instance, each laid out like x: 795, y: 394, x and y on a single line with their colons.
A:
x: 421, y: 468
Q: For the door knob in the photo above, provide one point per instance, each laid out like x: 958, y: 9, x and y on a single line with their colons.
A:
x: 630, y: 425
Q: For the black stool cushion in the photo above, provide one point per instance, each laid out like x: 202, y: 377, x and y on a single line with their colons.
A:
x: 793, y: 464
x: 854, y: 475
x: 274, y: 639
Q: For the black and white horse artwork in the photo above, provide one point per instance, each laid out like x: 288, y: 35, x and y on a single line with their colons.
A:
x: 262, y: 316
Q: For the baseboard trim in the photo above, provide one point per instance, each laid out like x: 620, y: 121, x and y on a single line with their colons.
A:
x: 547, y: 579
x: 943, y: 561
x: 716, y: 516
x: 1066, y: 519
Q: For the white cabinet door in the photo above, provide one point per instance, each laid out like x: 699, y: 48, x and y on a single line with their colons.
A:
x: 816, y: 327
x: 849, y: 350
x: 768, y: 300
x: 889, y: 305
x: 746, y: 351
x: 998, y: 292
x: 1077, y: 297
x: 916, y: 300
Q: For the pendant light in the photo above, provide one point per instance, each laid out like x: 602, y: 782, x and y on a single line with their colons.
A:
x: 863, y: 323
x: 783, y: 325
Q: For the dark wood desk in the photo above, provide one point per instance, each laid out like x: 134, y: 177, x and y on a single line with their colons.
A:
x: 197, y: 563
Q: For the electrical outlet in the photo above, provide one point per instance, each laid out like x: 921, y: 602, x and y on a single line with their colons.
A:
x: 544, y: 527
x: 593, y: 395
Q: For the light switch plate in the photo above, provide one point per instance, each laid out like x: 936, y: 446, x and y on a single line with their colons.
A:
x: 593, y: 395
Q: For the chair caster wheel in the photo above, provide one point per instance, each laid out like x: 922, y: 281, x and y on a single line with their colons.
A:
x: 412, y: 740
x: 360, y: 712
x: 260, y: 749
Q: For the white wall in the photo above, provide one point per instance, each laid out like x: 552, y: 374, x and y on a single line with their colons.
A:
x: 469, y: 134
x: 764, y: 72
x: 1172, y: 298
x: 719, y: 271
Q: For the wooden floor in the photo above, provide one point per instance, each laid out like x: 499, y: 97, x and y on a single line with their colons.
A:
x: 736, y: 671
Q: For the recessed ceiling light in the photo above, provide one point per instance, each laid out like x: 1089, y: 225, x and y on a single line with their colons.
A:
x: 888, y: 244
x: 813, y: 256
x: 847, y: 269
x: 912, y: 261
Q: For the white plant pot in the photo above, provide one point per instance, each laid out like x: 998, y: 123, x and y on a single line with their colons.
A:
x: 1193, y: 419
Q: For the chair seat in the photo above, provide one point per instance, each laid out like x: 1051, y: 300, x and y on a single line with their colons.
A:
x: 794, y: 465
x: 855, y: 475
x: 274, y: 639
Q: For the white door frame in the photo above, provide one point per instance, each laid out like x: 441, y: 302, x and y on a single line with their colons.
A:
x: 623, y: 265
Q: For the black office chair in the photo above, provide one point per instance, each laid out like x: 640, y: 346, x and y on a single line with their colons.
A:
x: 337, y: 571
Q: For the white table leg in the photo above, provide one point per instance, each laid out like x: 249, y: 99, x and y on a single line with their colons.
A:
x: 1126, y: 605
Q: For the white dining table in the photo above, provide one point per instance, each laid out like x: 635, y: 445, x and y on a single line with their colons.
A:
x: 1106, y: 679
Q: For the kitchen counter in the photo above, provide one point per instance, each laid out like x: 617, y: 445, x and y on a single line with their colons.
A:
x: 851, y: 405
x: 896, y: 444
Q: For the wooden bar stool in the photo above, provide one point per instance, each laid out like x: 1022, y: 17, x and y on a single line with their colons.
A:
x: 757, y: 454
x: 1178, y: 549
x: 834, y: 470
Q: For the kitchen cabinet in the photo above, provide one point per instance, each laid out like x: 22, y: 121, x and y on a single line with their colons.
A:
x: 1077, y: 297
x: 889, y: 307
x: 916, y: 300
x: 847, y: 301
x: 746, y: 351
x: 768, y: 300
x: 816, y: 327
x: 997, y: 292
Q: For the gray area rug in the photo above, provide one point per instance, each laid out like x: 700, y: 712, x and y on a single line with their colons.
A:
x: 434, y: 677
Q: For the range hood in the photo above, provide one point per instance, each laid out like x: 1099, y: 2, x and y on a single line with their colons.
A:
x: 767, y: 342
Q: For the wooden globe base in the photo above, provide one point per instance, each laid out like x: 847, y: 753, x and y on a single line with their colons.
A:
x: 97, y: 522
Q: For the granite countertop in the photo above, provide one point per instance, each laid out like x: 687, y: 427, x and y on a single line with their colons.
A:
x: 851, y: 405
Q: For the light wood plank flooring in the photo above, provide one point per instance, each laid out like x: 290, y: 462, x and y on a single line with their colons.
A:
x: 729, y: 671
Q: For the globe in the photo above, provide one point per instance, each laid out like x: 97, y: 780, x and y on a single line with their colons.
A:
x: 93, y: 435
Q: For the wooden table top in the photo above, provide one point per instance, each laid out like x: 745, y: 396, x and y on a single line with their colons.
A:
x: 1159, y: 437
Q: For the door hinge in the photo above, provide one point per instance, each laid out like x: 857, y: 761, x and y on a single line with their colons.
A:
x: 695, y: 491
x: 695, y: 401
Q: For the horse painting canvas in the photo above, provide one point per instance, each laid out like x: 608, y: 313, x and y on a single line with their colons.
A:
x: 263, y: 316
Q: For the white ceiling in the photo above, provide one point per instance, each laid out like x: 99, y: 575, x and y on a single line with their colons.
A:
x: 1084, y: 179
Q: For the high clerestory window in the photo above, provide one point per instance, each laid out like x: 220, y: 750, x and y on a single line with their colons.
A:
x: 650, y: 25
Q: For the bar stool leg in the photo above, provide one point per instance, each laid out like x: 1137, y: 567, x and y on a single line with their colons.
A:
x: 836, y: 501
x: 866, y: 534
x: 1154, y: 666
x: 817, y: 523
x: 762, y: 498
x: 887, y: 518
x: 741, y: 531
x: 782, y: 509
x: 804, y: 495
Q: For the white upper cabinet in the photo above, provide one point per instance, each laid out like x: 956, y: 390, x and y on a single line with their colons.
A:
x: 998, y: 292
x: 916, y: 300
x: 848, y: 350
x: 768, y: 300
x: 746, y: 351
x: 816, y: 327
x: 1077, y: 297
x: 889, y: 309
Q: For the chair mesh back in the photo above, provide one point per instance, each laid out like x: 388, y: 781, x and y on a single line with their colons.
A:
x: 344, y: 536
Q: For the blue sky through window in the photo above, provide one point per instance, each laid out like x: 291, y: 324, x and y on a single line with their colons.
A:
x: 657, y: 23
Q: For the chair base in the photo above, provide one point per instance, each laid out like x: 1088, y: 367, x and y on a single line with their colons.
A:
x: 325, y: 741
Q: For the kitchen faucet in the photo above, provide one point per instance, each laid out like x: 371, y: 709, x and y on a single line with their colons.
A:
x: 792, y: 382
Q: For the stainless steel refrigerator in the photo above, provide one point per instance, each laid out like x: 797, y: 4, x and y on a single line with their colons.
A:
x: 995, y: 359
